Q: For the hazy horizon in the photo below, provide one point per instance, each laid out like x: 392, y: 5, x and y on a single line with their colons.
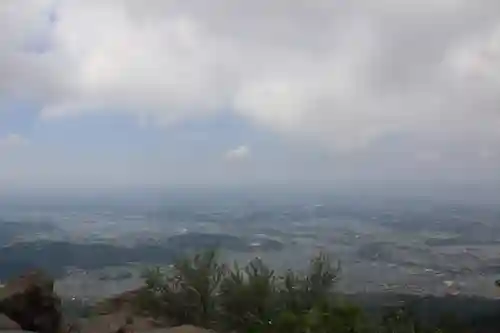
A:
x: 271, y: 195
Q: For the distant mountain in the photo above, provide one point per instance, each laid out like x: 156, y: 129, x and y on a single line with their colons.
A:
x: 55, y: 256
x: 198, y: 241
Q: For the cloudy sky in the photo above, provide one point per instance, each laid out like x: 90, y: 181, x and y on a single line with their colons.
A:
x: 104, y: 93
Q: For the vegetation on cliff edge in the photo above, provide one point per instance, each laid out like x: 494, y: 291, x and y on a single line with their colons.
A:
x: 201, y: 291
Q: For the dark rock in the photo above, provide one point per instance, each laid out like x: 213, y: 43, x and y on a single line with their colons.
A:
x: 182, y: 329
x: 116, y: 322
x: 8, y: 324
x: 30, y: 302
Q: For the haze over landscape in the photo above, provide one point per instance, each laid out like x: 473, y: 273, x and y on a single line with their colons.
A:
x: 133, y: 132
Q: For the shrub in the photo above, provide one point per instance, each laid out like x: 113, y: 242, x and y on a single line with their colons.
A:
x: 248, y: 297
x: 187, y: 294
x: 200, y: 291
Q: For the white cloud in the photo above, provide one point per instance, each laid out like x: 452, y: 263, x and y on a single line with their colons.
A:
x: 339, y: 73
x: 237, y: 154
x: 478, y: 57
x: 12, y: 141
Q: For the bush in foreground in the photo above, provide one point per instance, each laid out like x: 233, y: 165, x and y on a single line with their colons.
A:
x: 201, y: 291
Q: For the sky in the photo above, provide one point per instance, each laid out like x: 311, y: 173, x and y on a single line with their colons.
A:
x: 380, y: 93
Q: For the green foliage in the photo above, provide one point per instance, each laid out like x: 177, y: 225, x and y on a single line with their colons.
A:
x: 187, y: 295
x: 248, y: 297
x: 398, y: 320
x: 150, y: 298
x: 200, y: 291
x: 402, y: 319
x: 327, y: 318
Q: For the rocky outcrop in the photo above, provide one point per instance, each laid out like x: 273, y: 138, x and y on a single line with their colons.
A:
x: 7, y: 324
x: 182, y: 329
x: 30, y: 301
x: 116, y: 322
x: 123, y: 302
